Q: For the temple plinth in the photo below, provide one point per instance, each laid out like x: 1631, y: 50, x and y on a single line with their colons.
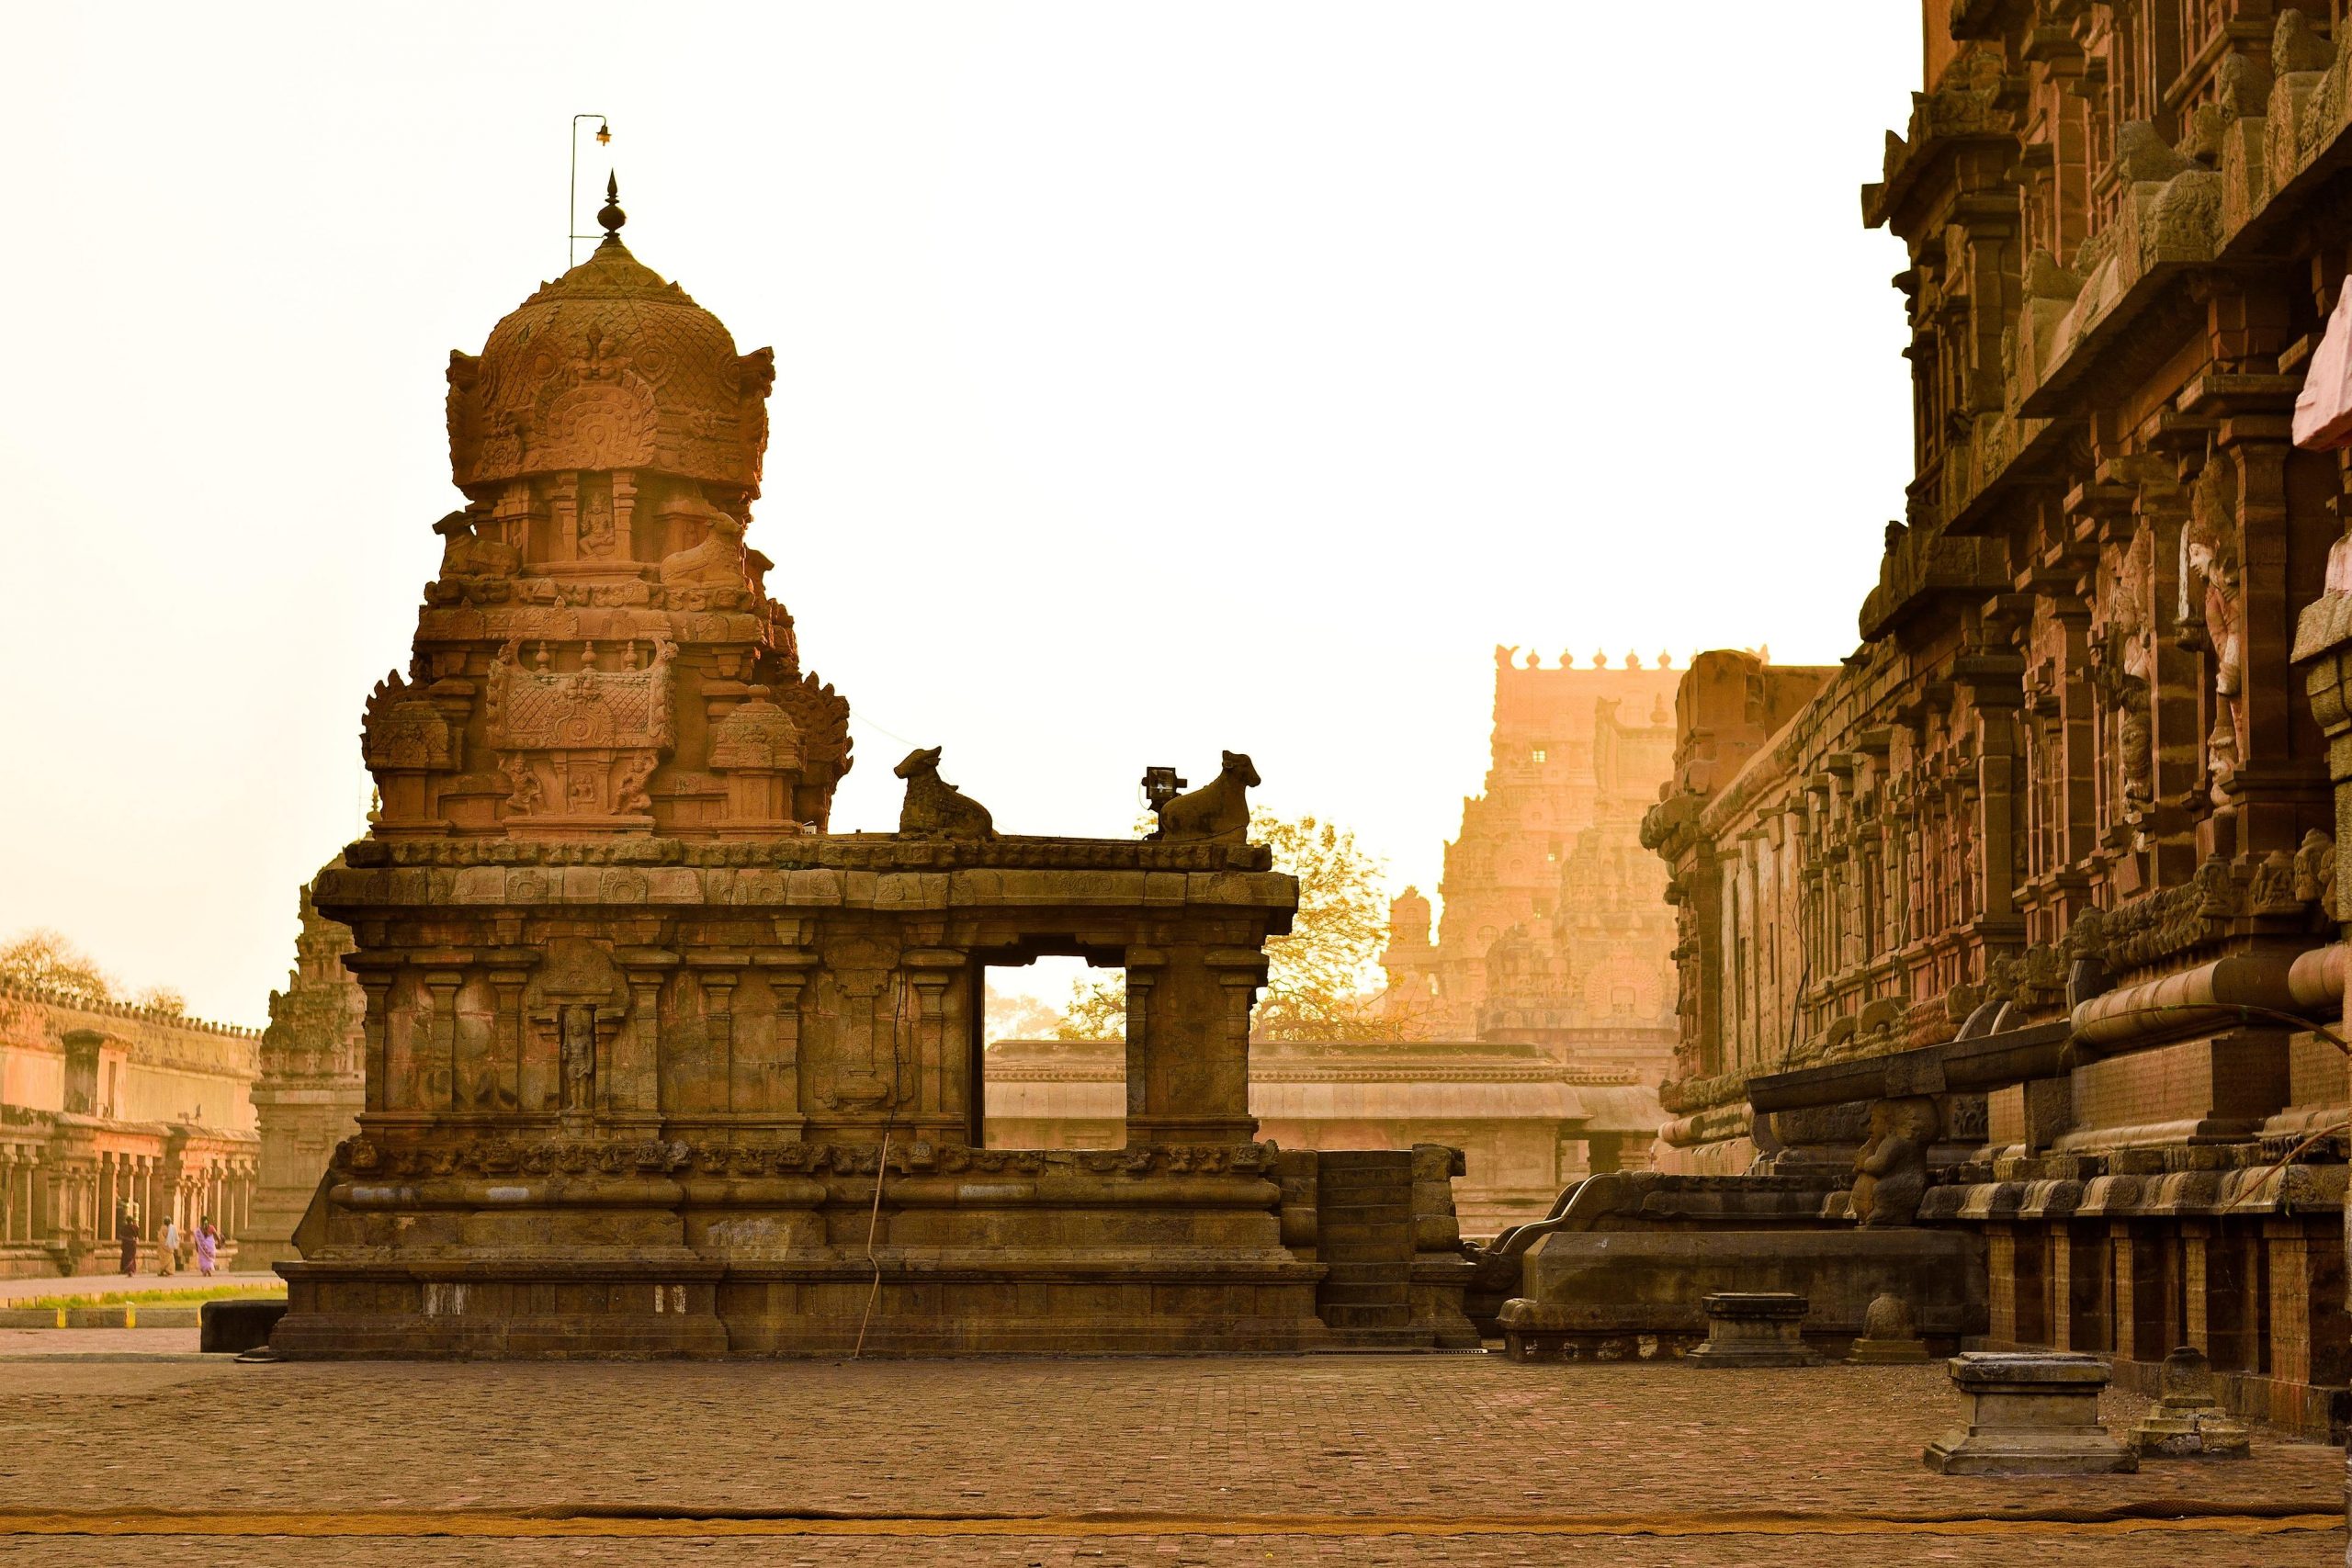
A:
x: 643, y: 1035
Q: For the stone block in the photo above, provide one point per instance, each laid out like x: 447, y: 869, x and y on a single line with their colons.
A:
x: 2029, y: 1412
x: 1580, y: 1291
x: 1889, y: 1337
x: 235, y: 1326
x: 1754, y: 1328
x: 2188, y: 1421
x: 675, y: 884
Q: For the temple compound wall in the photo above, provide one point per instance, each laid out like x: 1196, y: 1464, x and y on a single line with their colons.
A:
x: 1524, y: 1123
x: 313, y: 1083
x: 108, y: 1111
x: 2023, y: 923
x: 657, y: 1061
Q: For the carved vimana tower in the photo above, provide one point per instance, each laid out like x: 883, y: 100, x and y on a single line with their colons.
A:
x: 643, y: 1035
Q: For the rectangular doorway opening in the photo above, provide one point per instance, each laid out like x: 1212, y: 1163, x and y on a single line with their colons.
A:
x: 1050, y: 1062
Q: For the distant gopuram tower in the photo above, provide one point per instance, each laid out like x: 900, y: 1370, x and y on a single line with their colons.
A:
x: 640, y: 1029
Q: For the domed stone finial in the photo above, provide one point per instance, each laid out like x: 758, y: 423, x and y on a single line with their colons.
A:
x: 610, y: 216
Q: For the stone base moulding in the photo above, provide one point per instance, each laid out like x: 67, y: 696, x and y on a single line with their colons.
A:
x: 1599, y: 1294
x: 2029, y: 1414
x: 761, y: 1250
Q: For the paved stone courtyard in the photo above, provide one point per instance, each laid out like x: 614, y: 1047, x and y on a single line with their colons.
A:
x: 1264, y: 1460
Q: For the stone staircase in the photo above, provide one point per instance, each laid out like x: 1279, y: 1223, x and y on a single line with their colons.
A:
x: 1364, y: 1235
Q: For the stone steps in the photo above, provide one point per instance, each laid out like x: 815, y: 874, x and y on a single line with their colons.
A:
x: 1364, y: 1206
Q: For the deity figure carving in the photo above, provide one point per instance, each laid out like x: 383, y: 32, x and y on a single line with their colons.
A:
x: 598, y: 535
x: 2315, y: 872
x: 1891, y: 1169
x: 2272, y: 891
x: 2122, y: 663
x: 524, y: 796
x: 579, y: 1047
x: 2210, y: 619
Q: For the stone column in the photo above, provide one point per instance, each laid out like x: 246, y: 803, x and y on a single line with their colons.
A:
x: 628, y: 1086
x: 438, y: 1074
x: 506, y: 1036
x: 932, y: 971
x: 1190, y: 1067
x: 719, y: 1021
x: 2197, y: 1331
x: 777, y: 1092
x: 376, y: 985
x: 2123, y: 1265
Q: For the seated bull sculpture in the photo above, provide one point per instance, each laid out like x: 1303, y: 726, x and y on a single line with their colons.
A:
x: 1216, y: 812
x: 933, y: 808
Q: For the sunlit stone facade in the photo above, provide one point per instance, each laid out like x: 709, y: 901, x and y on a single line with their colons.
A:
x: 2020, y: 922
x: 109, y: 1111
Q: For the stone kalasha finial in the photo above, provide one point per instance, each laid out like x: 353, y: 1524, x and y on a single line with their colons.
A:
x: 610, y: 216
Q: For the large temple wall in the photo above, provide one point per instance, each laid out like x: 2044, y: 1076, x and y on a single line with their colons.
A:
x: 2066, y: 794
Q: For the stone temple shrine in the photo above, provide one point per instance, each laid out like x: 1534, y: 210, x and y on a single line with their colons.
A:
x: 659, y: 1064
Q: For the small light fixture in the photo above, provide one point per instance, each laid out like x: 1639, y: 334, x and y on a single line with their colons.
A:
x: 604, y: 134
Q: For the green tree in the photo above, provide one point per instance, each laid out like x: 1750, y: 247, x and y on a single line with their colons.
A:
x: 1321, y: 977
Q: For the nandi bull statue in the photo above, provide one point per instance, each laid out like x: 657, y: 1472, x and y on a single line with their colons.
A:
x: 933, y: 808
x: 1216, y: 812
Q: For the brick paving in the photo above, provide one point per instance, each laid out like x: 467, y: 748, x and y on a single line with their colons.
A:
x: 1443, y: 1437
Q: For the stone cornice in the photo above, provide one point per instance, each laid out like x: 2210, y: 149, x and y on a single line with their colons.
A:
x: 850, y: 851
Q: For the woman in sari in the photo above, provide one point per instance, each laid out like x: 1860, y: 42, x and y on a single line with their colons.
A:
x: 208, y: 1242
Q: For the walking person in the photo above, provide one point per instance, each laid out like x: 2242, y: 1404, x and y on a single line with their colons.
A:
x: 127, y: 1229
x: 168, y: 1255
x: 208, y: 1242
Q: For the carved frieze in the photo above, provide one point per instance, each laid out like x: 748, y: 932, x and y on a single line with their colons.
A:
x: 403, y: 731
x: 581, y: 745
x: 756, y: 733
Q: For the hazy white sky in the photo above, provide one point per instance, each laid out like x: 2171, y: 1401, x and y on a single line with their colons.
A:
x: 1152, y: 379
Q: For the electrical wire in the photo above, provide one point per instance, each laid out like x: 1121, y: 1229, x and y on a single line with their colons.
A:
x: 882, y: 1163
